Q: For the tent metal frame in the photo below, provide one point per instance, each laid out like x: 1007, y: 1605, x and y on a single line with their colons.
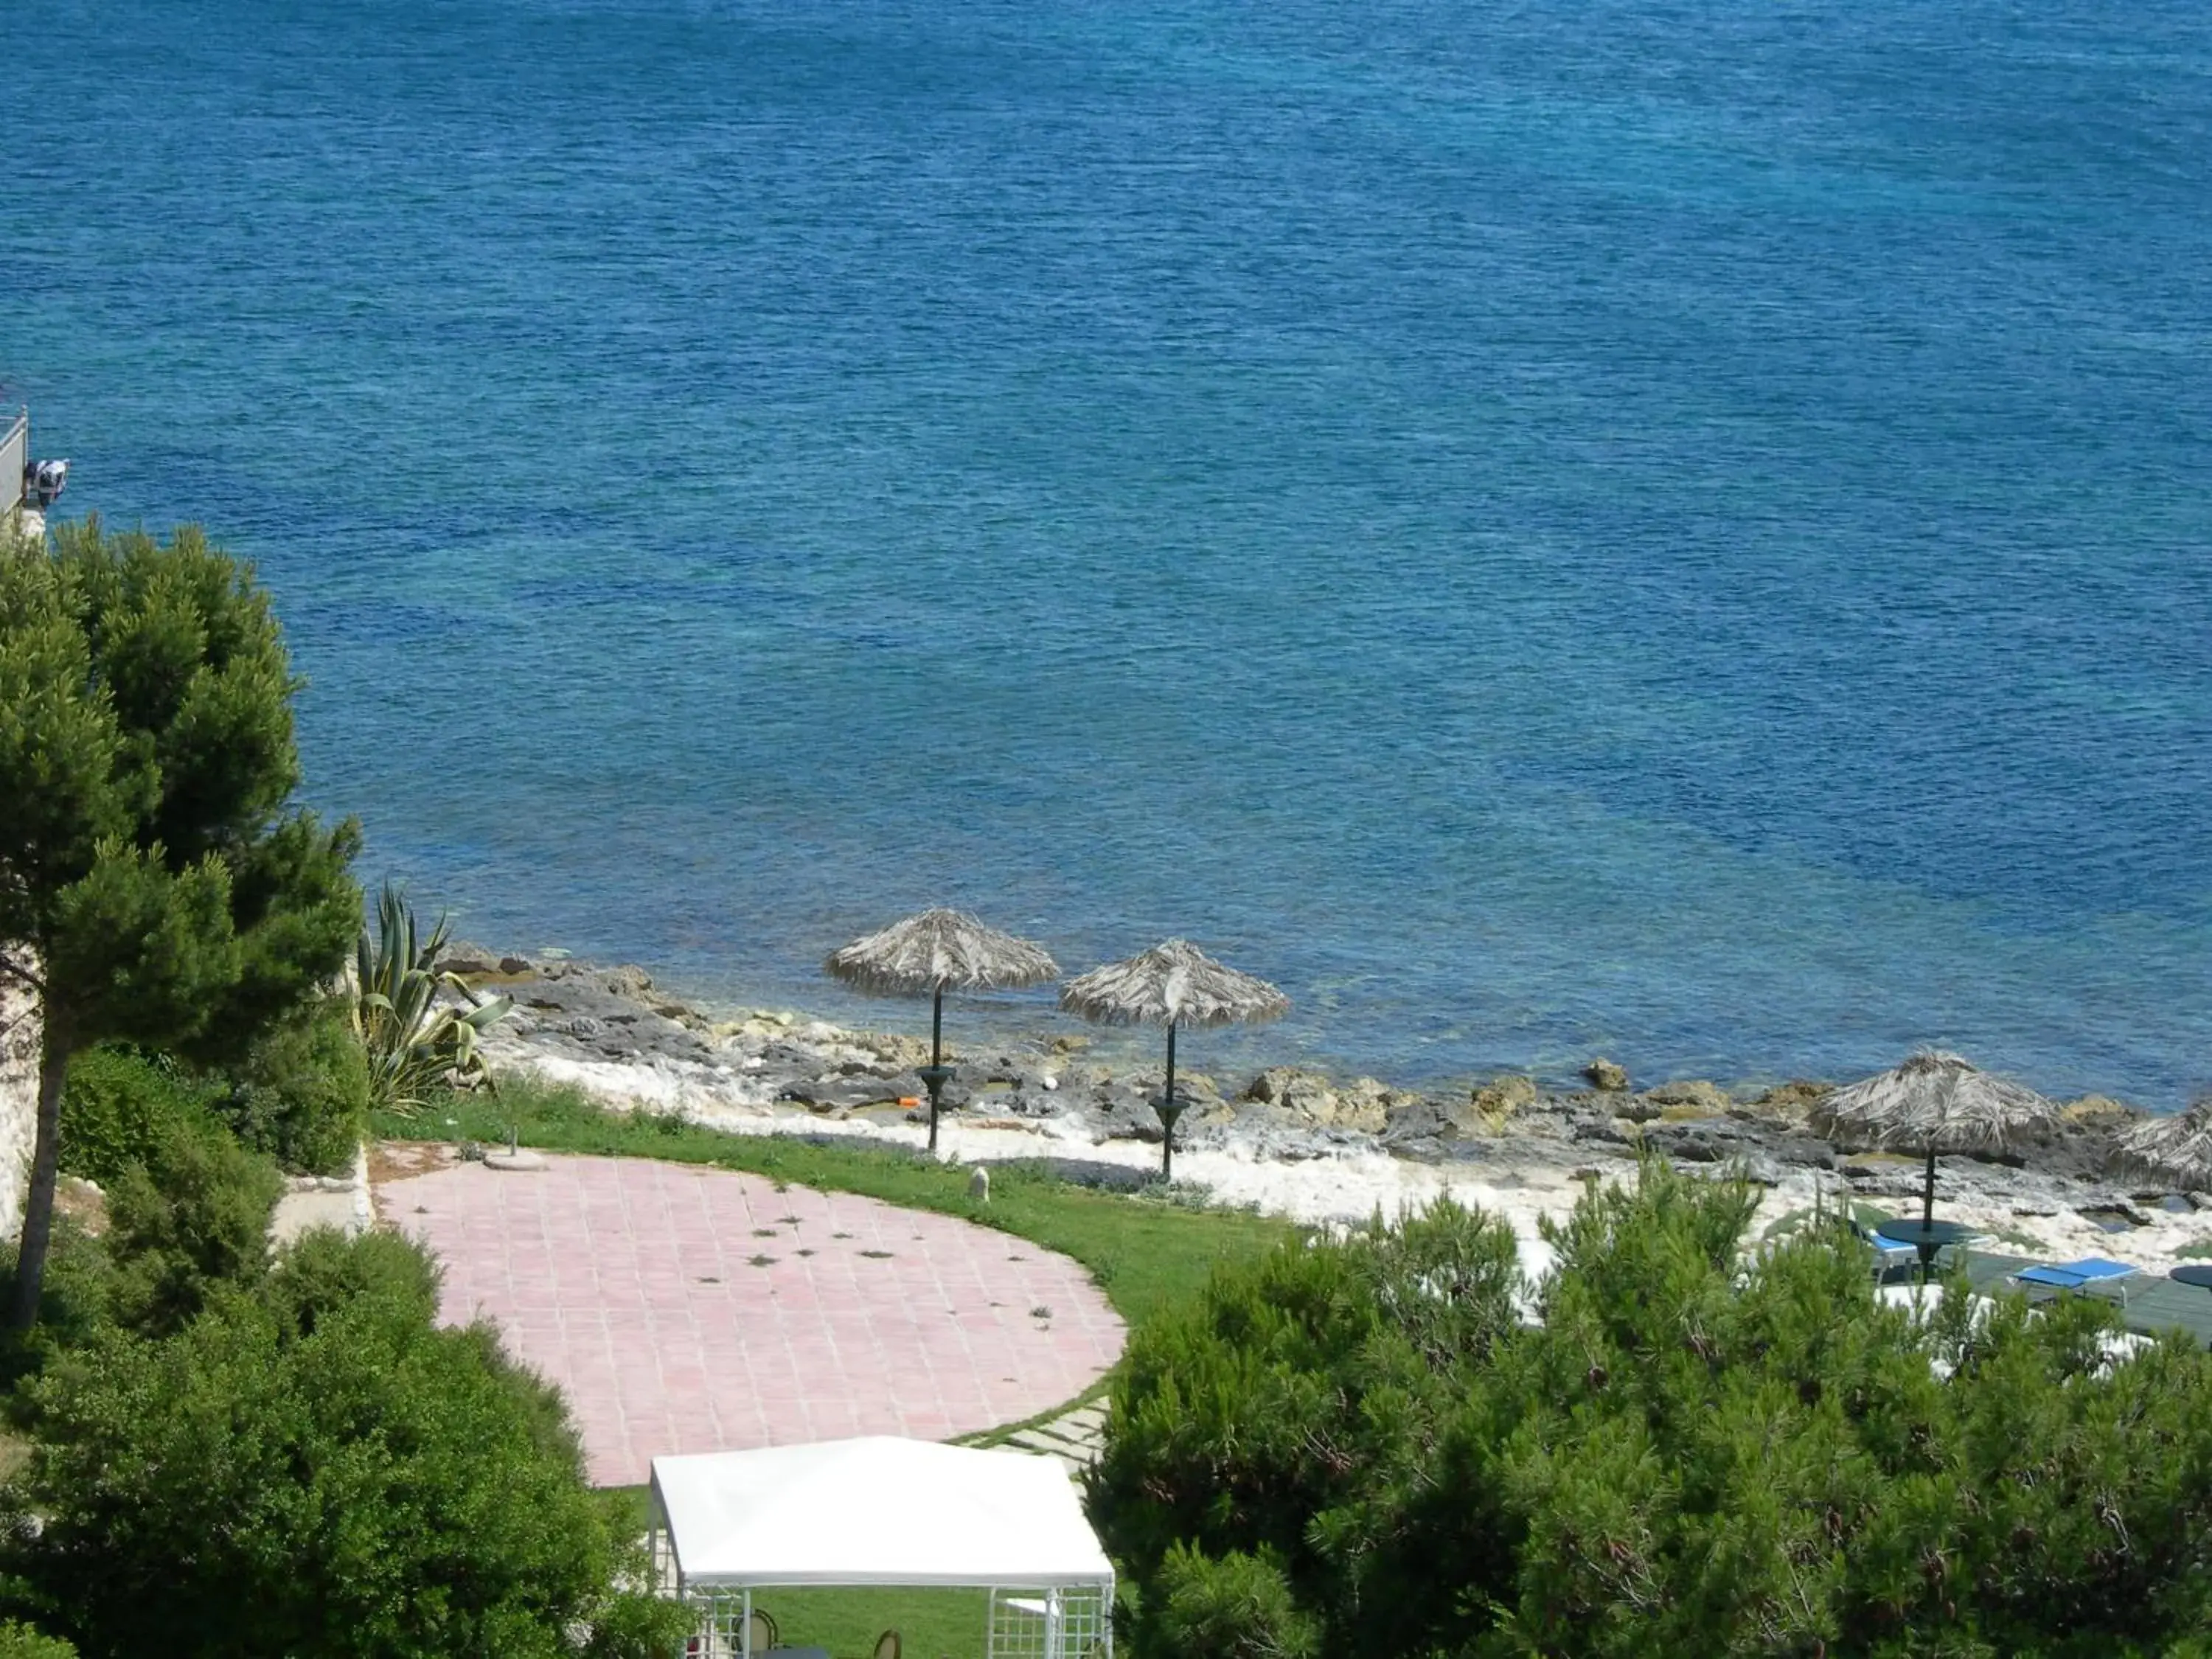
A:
x: 1066, y: 1621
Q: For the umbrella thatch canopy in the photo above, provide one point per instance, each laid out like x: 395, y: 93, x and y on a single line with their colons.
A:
x: 929, y: 953
x: 1172, y: 984
x: 1935, y: 1102
x: 2177, y: 1148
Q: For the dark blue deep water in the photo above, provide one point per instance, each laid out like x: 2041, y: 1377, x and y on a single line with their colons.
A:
x: 1679, y: 528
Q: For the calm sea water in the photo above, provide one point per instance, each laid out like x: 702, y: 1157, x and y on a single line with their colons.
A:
x: 1679, y: 528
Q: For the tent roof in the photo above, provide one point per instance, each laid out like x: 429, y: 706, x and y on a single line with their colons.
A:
x: 877, y: 1510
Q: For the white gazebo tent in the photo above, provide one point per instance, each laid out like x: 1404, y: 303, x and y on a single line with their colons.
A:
x: 881, y: 1511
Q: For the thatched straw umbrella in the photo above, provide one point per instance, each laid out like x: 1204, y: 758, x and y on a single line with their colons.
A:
x: 925, y: 955
x: 1935, y: 1102
x: 1172, y: 984
x: 2177, y: 1148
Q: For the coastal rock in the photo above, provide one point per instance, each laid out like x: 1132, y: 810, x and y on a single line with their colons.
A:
x: 1293, y: 1088
x: 1793, y: 1100
x: 1606, y: 1076
x: 469, y: 961
x: 1420, y: 1125
x: 835, y: 1094
x: 1694, y: 1097
x: 1367, y: 1103
x: 630, y: 1043
x: 1604, y: 1131
x: 902, y: 1053
x: 1127, y: 1114
x: 627, y: 981
x: 1489, y: 1106
x: 1196, y: 1088
x: 1363, y: 1104
x: 1706, y: 1140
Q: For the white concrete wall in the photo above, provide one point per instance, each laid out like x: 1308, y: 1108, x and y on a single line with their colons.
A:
x: 19, y: 1102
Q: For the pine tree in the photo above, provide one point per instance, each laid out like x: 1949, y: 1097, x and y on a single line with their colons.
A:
x: 156, y: 884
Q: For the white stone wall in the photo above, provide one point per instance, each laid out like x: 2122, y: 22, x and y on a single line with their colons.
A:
x: 19, y: 1102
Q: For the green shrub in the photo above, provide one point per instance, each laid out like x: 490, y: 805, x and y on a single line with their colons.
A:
x: 325, y: 1271
x: 19, y: 1641
x: 77, y: 1302
x: 188, y: 1207
x: 343, y: 1479
x: 1237, y: 1608
x: 194, y: 1215
x: 301, y: 1095
x: 119, y: 1107
x: 1694, y: 1454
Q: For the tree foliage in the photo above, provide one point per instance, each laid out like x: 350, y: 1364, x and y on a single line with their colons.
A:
x: 1692, y: 1454
x: 188, y: 1207
x: 19, y: 1641
x: 118, y: 1107
x: 301, y: 1093
x: 309, y: 1465
x: 193, y: 1217
x: 155, y: 884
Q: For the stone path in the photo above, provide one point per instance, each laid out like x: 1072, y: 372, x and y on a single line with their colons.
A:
x: 341, y: 1202
x: 685, y: 1309
x: 1070, y: 1440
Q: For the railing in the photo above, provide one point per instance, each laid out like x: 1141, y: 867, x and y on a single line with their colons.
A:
x: 15, y: 455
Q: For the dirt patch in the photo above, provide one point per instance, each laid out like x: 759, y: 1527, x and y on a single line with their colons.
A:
x: 77, y: 1200
x: 396, y: 1160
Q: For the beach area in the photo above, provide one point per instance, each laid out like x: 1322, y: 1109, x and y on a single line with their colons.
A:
x: 1322, y: 1149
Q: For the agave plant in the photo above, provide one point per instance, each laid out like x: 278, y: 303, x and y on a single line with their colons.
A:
x: 415, y: 1043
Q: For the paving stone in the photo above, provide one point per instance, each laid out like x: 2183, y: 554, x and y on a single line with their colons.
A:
x: 687, y: 1310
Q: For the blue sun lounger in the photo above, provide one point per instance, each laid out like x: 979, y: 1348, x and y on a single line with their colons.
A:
x: 2091, y: 1273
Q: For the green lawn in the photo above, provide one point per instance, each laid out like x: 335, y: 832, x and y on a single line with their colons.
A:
x: 945, y: 1623
x: 1148, y: 1254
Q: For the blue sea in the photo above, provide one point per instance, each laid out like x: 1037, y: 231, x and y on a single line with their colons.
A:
x: 1680, y: 529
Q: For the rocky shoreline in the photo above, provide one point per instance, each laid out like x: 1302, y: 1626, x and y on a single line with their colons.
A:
x: 610, y: 1031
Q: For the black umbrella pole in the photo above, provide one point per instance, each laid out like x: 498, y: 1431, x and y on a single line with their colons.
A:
x: 1168, y: 1114
x: 935, y: 1077
x: 1927, y: 1196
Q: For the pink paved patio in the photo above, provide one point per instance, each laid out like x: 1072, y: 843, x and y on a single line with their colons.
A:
x: 685, y: 1309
